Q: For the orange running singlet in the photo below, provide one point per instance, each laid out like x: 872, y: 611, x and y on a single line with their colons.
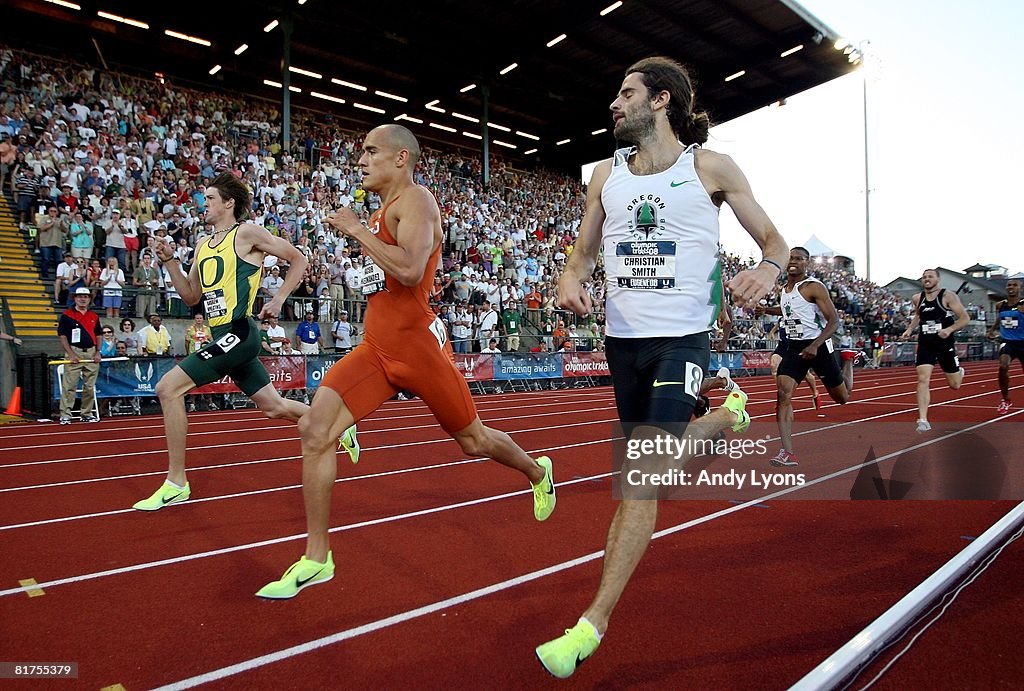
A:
x: 405, y: 347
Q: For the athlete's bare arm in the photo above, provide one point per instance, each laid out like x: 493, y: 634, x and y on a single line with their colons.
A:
x: 414, y: 221
x: 815, y: 292
x: 188, y: 287
x: 952, y: 302
x: 256, y: 241
x: 725, y: 322
x: 580, y: 267
x: 725, y: 182
x: 915, y: 319
x: 1000, y: 306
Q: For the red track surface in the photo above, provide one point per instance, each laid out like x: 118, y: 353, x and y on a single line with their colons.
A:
x: 754, y: 596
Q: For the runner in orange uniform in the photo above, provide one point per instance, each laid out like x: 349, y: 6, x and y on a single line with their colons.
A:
x: 405, y: 347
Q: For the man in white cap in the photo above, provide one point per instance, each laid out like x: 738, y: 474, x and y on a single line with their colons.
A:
x: 79, y: 330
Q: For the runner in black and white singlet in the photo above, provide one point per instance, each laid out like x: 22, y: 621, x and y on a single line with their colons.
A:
x: 940, y: 314
x: 809, y: 318
x: 1010, y: 321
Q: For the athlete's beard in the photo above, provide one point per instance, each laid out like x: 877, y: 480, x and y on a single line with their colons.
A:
x: 638, y: 127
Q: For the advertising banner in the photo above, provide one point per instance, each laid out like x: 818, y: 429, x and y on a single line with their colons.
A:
x: 757, y: 359
x: 585, y: 365
x: 316, y: 368
x: 531, y: 366
x: 731, y: 358
x: 286, y: 372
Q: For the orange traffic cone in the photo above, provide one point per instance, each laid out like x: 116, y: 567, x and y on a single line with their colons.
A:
x: 14, y: 407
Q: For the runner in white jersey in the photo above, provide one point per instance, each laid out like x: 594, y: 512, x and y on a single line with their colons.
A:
x: 809, y: 318
x: 652, y: 212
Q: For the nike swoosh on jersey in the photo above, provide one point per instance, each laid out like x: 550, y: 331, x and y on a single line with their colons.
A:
x: 677, y: 184
x: 666, y: 383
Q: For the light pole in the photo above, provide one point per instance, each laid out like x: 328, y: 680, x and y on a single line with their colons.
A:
x: 867, y: 183
x: 856, y: 56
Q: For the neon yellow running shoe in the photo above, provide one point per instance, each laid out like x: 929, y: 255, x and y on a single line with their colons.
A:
x: 544, y: 492
x: 350, y: 443
x: 563, y: 655
x: 736, y: 402
x: 302, y: 574
x: 165, y: 496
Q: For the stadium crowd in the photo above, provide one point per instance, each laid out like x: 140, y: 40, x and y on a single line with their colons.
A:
x: 103, y: 166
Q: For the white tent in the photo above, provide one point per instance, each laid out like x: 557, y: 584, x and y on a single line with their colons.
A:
x: 817, y: 248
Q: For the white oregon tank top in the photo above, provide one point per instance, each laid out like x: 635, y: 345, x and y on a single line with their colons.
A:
x: 660, y: 247
x: 802, y: 320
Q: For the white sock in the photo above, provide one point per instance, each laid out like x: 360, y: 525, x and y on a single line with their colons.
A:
x: 175, y: 485
x: 596, y: 632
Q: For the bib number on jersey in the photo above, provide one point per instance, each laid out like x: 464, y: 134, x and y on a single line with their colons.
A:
x: 794, y: 329
x: 645, y: 265
x: 372, y: 279
x: 1009, y: 323
x: 931, y: 328
x: 214, y: 303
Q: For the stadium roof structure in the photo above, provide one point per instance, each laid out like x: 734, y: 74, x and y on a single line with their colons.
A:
x: 569, y: 58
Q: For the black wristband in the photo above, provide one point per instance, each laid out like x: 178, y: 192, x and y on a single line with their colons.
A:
x: 769, y: 261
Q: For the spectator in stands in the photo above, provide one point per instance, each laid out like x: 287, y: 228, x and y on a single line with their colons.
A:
x: 271, y: 284
x: 462, y: 328
x: 8, y: 154
x: 26, y: 189
x: 511, y: 320
x: 343, y: 332
x: 308, y: 340
x: 65, y: 277
x: 492, y: 347
x: 488, y: 325
x: 176, y: 307
x: 108, y: 342
x: 50, y: 239
x: 197, y: 335
x: 278, y: 338
x: 114, y: 244
x: 154, y: 339
x: 112, y: 280
x: 81, y: 232
x: 127, y: 336
x: 147, y: 282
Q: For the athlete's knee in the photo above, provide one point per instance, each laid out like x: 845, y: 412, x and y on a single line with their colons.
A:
x: 315, y: 433
x: 840, y: 395
x: 165, y: 390
x: 474, y: 440
x: 275, y: 408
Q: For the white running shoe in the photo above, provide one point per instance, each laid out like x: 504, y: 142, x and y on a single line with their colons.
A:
x: 923, y: 426
x: 730, y: 385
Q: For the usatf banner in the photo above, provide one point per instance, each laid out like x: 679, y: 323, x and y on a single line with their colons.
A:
x: 730, y: 358
x: 475, y: 367
x: 286, y: 372
x: 136, y: 377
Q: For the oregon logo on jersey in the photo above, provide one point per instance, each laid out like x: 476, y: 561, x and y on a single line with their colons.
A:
x: 645, y: 221
x: 211, y: 271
